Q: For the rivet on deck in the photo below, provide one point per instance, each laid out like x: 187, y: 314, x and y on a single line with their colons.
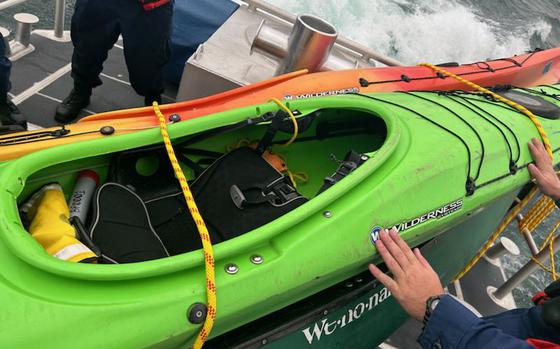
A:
x: 174, y: 118
x: 231, y: 268
x: 257, y: 259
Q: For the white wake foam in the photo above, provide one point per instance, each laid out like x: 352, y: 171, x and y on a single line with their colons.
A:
x: 436, y: 31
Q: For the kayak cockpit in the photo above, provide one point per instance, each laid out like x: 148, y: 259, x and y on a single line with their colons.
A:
x: 250, y: 181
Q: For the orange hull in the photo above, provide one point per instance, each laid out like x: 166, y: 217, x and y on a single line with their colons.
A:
x: 532, y: 69
x: 526, y: 70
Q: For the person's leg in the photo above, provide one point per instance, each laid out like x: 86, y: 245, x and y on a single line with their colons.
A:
x: 9, y: 113
x: 146, y: 47
x: 5, y: 69
x: 94, y: 31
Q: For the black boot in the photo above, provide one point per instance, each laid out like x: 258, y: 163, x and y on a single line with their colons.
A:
x: 10, y: 114
x: 68, y: 110
x: 149, y: 100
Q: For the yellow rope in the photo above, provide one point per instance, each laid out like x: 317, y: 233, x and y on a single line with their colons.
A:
x: 517, y: 106
x: 292, y: 117
x: 538, y: 213
x: 512, y: 214
x: 552, y: 261
x: 202, y: 231
x: 540, y: 264
x: 546, y: 241
x: 549, y: 240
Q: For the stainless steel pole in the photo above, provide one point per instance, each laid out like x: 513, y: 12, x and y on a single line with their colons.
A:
x: 60, y: 7
x: 524, y: 272
x: 9, y: 3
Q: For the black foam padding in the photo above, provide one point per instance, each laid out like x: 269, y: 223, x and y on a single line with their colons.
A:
x: 122, y: 228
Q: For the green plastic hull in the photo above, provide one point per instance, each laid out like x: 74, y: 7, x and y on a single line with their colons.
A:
x: 415, y: 179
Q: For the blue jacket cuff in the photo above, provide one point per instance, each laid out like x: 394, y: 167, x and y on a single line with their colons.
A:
x: 445, y: 329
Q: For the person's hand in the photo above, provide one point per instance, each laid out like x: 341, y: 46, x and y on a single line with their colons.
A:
x: 542, y: 170
x: 414, y: 280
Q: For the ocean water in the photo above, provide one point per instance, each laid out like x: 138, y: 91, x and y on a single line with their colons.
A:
x: 423, y: 30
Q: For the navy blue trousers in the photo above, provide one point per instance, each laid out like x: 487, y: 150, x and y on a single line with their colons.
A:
x: 5, y: 68
x: 96, y: 26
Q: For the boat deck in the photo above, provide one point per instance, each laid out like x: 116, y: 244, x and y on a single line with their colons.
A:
x: 42, y: 79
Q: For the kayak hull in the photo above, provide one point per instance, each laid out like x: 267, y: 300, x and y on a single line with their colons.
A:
x: 415, y: 179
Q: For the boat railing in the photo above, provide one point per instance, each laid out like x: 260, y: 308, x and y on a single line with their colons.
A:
x: 290, y: 18
x: 60, y: 6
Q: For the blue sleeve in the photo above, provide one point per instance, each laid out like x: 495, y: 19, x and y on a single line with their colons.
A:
x: 525, y: 323
x: 453, y: 326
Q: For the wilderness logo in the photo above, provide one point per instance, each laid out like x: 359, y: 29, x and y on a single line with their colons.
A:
x: 439, y: 212
x: 323, y: 93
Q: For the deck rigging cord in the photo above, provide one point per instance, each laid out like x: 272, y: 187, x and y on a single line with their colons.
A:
x: 479, y: 167
x: 496, y: 96
x: 469, y: 185
x: 202, y: 230
x: 404, y: 78
x: 465, y: 102
x: 545, y: 208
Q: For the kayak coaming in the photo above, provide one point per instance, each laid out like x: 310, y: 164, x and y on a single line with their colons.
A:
x: 36, y: 161
x: 82, y: 292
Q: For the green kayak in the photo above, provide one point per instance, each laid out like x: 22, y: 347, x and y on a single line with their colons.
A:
x: 443, y: 168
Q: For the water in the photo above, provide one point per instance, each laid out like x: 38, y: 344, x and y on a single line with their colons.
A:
x: 441, y: 30
x: 424, y: 30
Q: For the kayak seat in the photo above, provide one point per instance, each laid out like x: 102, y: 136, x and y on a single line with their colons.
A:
x: 237, y: 193
x: 121, y: 228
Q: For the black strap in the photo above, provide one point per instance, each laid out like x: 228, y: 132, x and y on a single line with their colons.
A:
x: 226, y: 129
x: 351, y: 161
x: 83, y: 235
x: 274, y: 126
x: 191, y: 164
x: 277, y: 193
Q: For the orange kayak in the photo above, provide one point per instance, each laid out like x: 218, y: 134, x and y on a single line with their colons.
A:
x: 530, y: 69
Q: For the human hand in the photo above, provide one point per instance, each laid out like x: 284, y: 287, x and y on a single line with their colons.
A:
x: 542, y: 170
x: 414, y: 280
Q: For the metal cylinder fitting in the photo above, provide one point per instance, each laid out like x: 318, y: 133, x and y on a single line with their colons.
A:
x: 523, y: 273
x: 23, y: 27
x: 309, y: 45
x: 501, y: 247
x: 270, y: 40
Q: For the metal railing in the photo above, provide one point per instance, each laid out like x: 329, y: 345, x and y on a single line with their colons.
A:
x: 290, y: 18
x: 60, y: 6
